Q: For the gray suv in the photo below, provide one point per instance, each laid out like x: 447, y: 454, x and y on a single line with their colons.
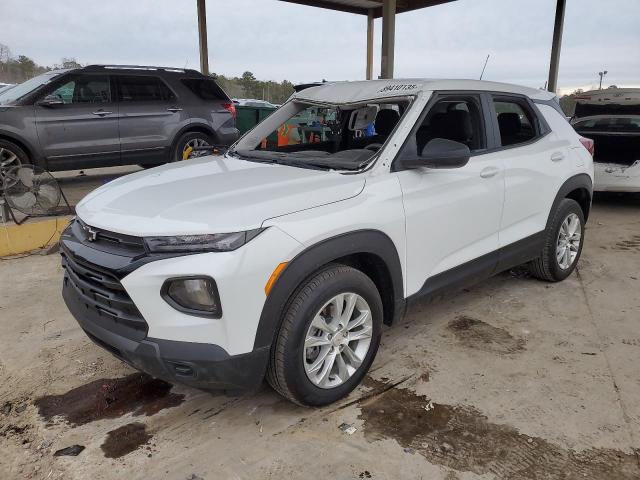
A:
x: 102, y: 115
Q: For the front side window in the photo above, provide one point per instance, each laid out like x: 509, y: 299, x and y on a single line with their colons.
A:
x: 85, y: 89
x: 329, y: 136
x: 143, y: 89
x: 515, y: 120
x: 451, y: 118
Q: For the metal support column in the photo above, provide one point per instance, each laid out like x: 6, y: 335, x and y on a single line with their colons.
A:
x: 558, y: 25
x: 370, y: 24
x: 202, y: 36
x: 388, y: 38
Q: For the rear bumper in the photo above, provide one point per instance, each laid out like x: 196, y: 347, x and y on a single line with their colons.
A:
x: 199, y: 365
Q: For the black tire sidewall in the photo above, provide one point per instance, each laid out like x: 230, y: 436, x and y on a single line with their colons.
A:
x: 566, y: 207
x: 297, y: 381
x: 182, y: 141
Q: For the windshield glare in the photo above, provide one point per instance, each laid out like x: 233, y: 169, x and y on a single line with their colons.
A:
x: 323, y: 136
x: 19, y: 91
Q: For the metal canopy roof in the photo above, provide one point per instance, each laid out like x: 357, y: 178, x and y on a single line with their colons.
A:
x: 362, y: 7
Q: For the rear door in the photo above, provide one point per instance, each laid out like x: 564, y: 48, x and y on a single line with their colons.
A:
x: 536, y: 162
x: 83, y: 131
x: 150, y: 118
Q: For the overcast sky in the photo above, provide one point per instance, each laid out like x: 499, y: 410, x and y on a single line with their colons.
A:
x: 277, y: 40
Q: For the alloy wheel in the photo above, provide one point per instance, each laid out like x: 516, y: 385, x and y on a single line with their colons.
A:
x: 8, y: 160
x: 337, y: 341
x: 569, y: 238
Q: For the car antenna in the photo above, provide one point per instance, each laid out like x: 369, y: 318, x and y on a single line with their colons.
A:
x: 484, y: 66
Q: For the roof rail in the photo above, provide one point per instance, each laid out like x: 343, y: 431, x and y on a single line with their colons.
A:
x: 141, y: 67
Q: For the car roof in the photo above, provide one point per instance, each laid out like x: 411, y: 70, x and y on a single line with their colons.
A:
x: 362, y: 91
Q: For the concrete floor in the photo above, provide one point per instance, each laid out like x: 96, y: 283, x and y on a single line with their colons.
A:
x: 512, y: 379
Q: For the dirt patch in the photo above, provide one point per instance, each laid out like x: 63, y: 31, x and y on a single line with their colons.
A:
x: 474, y: 333
x: 124, y: 440
x: 632, y: 243
x: 461, y: 438
x: 110, y: 398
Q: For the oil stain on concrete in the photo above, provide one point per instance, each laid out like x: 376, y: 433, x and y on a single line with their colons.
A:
x: 137, y: 393
x: 461, y: 438
x: 474, y: 333
x: 125, y: 439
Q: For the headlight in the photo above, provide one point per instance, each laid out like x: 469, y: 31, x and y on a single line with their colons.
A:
x: 216, y: 242
x: 193, y: 295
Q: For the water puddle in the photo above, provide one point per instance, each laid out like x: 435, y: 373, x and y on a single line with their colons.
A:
x: 137, y: 393
x: 461, y: 438
x: 474, y: 333
x: 124, y: 440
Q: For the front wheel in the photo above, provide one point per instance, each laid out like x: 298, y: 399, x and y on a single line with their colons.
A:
x: 563, y: 243
x: 329, y: 337
x: 11, y: 156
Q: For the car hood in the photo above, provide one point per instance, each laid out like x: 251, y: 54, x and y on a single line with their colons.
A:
x: 210, y: 195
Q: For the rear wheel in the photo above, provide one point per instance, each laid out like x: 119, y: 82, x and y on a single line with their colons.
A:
x: 563, y: 243
x: 329, y: 337
x: 11, y: 155
x: 190, y: 140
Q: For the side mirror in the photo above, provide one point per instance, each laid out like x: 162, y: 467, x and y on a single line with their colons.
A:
x: 440, y: 153
x: 50, y: 101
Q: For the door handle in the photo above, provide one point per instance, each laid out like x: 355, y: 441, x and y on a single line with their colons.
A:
x: 489, y: 172
x: 557, y: 156
x: 174, y: 109
x: 101, y: 113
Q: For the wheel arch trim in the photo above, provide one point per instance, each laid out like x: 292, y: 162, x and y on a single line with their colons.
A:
x: 578, y: 182
x: 310, y: 260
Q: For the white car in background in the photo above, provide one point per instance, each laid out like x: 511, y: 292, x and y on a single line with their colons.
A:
x: 611, y: 118
x: 284, y: 260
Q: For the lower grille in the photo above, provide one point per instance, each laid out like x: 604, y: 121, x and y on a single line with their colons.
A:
x: 102, y: 293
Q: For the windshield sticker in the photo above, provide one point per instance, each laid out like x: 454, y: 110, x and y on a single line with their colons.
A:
x: 398, y: 87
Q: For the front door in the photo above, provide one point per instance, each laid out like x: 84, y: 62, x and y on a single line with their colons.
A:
x: 82, y: 132
x: 452, y: 215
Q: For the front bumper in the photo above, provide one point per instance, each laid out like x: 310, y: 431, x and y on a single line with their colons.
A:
x: 199, y: 365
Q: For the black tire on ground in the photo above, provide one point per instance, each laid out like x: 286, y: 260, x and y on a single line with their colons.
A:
x: 9, y: 150
x: 286, y: 372
x: 546, y: 266
x: 182, y: 142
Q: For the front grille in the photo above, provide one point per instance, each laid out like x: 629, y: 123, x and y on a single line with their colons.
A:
x: 102, y: 293
x: 106, y: 241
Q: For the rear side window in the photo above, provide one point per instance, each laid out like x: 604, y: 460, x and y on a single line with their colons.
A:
x: 205, y: 89
x: 516, y: 121
x: 143, y: 89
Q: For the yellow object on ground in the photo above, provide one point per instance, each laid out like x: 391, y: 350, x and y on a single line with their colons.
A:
x: 31, y: 235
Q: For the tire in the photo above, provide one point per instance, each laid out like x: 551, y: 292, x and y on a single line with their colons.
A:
x: 11, y: 155
x: 547, y: 266
x: 193, y: 138
x: 290, y: 360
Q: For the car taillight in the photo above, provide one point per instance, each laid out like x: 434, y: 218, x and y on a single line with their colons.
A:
x: 231, y: 108
x: 589, y: 145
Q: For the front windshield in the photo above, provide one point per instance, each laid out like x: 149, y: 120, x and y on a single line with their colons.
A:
x: 19, y: 91
x: 323, y: 136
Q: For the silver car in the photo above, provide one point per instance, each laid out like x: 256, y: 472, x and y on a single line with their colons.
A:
x: 102, y: 115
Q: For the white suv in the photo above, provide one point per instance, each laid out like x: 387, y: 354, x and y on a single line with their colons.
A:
x: 285, y: 256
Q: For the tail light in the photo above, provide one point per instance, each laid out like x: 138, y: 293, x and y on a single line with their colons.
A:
x: 589, y: 145
x: 231, y: 108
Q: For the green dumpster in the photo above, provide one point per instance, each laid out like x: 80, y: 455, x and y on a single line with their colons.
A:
x: 249, y: 117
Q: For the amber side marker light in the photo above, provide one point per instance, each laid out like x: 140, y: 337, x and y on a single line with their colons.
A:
x: 274, y: 277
